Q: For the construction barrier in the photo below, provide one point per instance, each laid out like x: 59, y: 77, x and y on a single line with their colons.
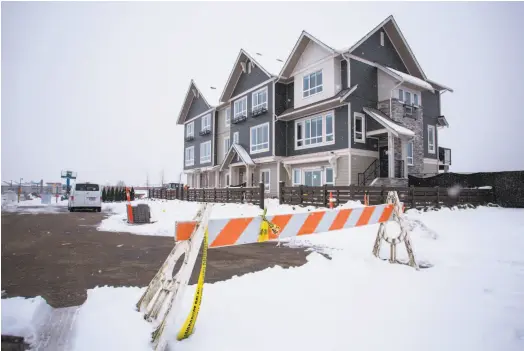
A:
x: 163, y: 295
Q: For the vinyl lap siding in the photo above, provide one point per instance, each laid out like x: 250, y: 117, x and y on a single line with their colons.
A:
x: 358, y: 165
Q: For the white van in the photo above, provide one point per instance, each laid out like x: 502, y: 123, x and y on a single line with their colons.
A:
x: 85, y: 196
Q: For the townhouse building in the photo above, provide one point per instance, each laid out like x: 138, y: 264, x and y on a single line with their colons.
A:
x: 365, y: 115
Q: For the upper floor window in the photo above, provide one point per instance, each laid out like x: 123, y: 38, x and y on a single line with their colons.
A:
x: 227, y: 145
x: 259, y: 139
x: 205, y: 152
x: 190, y: 130
x: 190, y: 156
x: 259, y: 99
x: 410, y: 153
x: 312, y: 84
x: 431, y: 139
x: 235, y: 137
x: 359, y: 128
x: 228, y: 116
x: 206, y: 122
x: 315, y: 131
x: 409, y: 97
x: 240, y: 107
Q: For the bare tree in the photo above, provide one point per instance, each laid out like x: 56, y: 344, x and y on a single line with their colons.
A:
x: 120, y: 184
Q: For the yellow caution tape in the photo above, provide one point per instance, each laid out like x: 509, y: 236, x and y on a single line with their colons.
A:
x: 263, y: 234
x: 189, y: 324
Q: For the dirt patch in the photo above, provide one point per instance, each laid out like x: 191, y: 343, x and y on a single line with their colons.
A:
x: 59, y: 256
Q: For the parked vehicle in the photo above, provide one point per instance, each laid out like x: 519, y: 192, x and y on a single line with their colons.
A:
x: 85, y: 196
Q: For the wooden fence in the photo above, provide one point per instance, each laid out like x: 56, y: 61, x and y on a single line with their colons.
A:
x: 412, y: 197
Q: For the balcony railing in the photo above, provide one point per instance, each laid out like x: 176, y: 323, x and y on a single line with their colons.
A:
x: 258, y: 112
x: 238, y: 119
x: 205, y: 131
x: 190, y: 137
x: 444, y: 155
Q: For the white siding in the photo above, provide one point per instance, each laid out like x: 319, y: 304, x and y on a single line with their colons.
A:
x: 358, y: 165
x: 385, y: 84
x: 311, y: 55
x: 342, y: 171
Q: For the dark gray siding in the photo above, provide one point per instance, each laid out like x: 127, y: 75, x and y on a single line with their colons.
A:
x: 290, y: 94
x: 366, y: 95
x: 280, y: 98
x: 280, y: 138
x: 341, y: 135
x: 344, y: 73
x: 430, y: 112
x: 197, y: 107
x: 244, y: 127
x: 197, y: 141
x: 385, y: 55
x: 250, y: 80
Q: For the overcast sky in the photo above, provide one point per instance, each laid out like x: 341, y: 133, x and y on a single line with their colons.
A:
x: 96, y: 87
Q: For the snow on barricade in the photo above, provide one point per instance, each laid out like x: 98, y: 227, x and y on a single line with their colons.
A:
x: 24, y: 317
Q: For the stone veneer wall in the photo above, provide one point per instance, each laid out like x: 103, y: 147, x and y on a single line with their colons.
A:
x: 415, y: 124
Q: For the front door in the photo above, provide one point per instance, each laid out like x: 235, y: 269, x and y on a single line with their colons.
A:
x: 383, y: 159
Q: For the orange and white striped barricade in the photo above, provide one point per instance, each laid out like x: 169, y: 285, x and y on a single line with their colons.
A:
x: 130, y: 218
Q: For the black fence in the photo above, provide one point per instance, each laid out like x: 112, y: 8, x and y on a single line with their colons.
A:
x: 412, y: 197
x: 508, y: 187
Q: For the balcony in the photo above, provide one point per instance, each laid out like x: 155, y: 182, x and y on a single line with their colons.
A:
x: 190, y: 138
x: 444, y: 155
x: 205, y: 131
x: 238, y: 119
x: 258, y: 112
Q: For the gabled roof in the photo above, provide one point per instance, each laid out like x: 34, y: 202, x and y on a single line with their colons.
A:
x: 391, y: 126
x: 193, y: 91
x: 409, y: 79
x: 244, y: 56
x: 301, y: 44
x: 241, y: 152
x: 399, y: 42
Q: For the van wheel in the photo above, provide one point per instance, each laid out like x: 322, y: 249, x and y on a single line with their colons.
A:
x: 99, y: 209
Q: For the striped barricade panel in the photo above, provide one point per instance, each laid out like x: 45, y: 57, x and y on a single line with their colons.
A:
x: 238, y: 231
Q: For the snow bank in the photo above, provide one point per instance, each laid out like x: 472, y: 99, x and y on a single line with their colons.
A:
x: 35, y: 206
x: 24, y: 317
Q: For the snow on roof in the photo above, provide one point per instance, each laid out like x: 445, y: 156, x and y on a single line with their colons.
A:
x: 243, y: 155
x: 211, y: 95
x: 268, y: 61
x: 412, y: 80
x: 388, y: 123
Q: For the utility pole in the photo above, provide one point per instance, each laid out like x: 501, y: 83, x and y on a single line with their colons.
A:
x: 20, y: 189
x: 162, y: 178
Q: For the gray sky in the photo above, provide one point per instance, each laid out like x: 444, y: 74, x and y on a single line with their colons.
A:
x: 96, y: 87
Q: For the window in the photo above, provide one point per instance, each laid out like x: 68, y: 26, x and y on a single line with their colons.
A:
x: 259, y: 140
x: 235, y: 138
x: 329, y: 176
x: 315, y: 131
x: 415, y: 99
x: 409, y: 97
x: 190, y: 129
x: 81, y: 187
x: 381, y: 38
x: 240, y: 107
x: 190, y: 156
x: 431, y: 139
x: 259, y: 99
x: 359, y: 128
x: 228, y: 116
x: 296, y: 176
x: 410, y: 153
x: 264, y: 177
x: 206, y: 123
x: 312, y: 84
x: 227, y: 145
x: 401, y: 95
x: 205, y: 152
x: 313, y: 177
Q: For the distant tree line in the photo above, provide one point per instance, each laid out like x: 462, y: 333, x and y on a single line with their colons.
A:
x: 116, y: 194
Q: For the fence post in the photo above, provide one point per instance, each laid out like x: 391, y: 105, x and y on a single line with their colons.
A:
x: 214, y: 194
x: 281, y: 193
x: 382, y: 197
x: 412, y: 194
x: 227, y: 195
x: 203, y: 195
x: 301, y: 193
x: 324, y: 195
x: 262, y: 190
x: 438, y: 198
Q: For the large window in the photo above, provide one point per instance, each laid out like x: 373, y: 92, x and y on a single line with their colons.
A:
x: 206, y: 122
x: 259, y: 139
x: 315, y: 131
x: 240, y: 107
x: 328, y: 176
x: 297, y: 176
x: 190, y: 129
x: 205, y: 152
x: 227, y: 145
x: 312, y: 84
x: 228, y: 116
x: 431, y: 139
x: 409, y: 97
x: 313, y: 177
x: 190, y: 156
x: 259, y: 99
x: 265, y: 178
x: 359, y: 127
x: 410, y: 153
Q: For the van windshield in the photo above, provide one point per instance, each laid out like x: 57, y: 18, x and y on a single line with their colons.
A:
x: 87, y: 187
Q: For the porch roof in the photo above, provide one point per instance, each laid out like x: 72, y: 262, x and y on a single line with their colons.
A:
x: 241, y: 152
x: 391, y: 126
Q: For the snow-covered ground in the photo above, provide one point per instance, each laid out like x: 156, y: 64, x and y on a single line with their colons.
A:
x: 35, y: 206
x: 472, y: 298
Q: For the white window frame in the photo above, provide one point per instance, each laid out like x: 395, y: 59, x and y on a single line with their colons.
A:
x: 431, y: 147
x: 190, y: 161
x: 251, y: 151
x: 401, y: 97
x: 308, y: 91
x: 190, y: 130
x: 313, y: 169
x: 205, y: 159
x: 236, y: 137
x: 381, y: 38
x: 268, y: 188
x: 409, y: 159
x: 228, y: 117
x: 324, y: 140
x: 235, y: 105
x: 258, y: 105
x: 293, y: 180
x: 227, y: 145
x: 325, y: 176
x: 363, y: 117
x: 205, y: 122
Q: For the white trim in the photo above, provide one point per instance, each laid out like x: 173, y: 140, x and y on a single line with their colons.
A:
x: 226, y: 150
x: 267, y: 159
x: 366, y: 153
x: 396, y: 49
x: 274, y: 118
x: 246, y: 92
x: 227, y: 125
x: 210, y: 152
x: 200, y: 115
x: 351, y: 90
x: 307, y: 160
x: 431, y: 128
x: 293, y: 183
x: 412, y: 153
x: 185, y: 156
x: 264, y: 89
x: 408, y: 47
x: 382, y: 38
x: 311, y: 66
x: 411, y: 92
x: 431, y: 161
x: 213, y: 131
x: 268, y: 170
x: 192, y: 124
x: 312, y: 169
x: 207, y: 118
x: 321, y: 86
x: 251, y: 151
x: 376, y: 132
x: 244, y: 98
x: 325, y: 175
x: 440, y: 85
x: 306, y: 108
x: 324, y: 141
x: 363, y: 124
x: 189, y: 90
